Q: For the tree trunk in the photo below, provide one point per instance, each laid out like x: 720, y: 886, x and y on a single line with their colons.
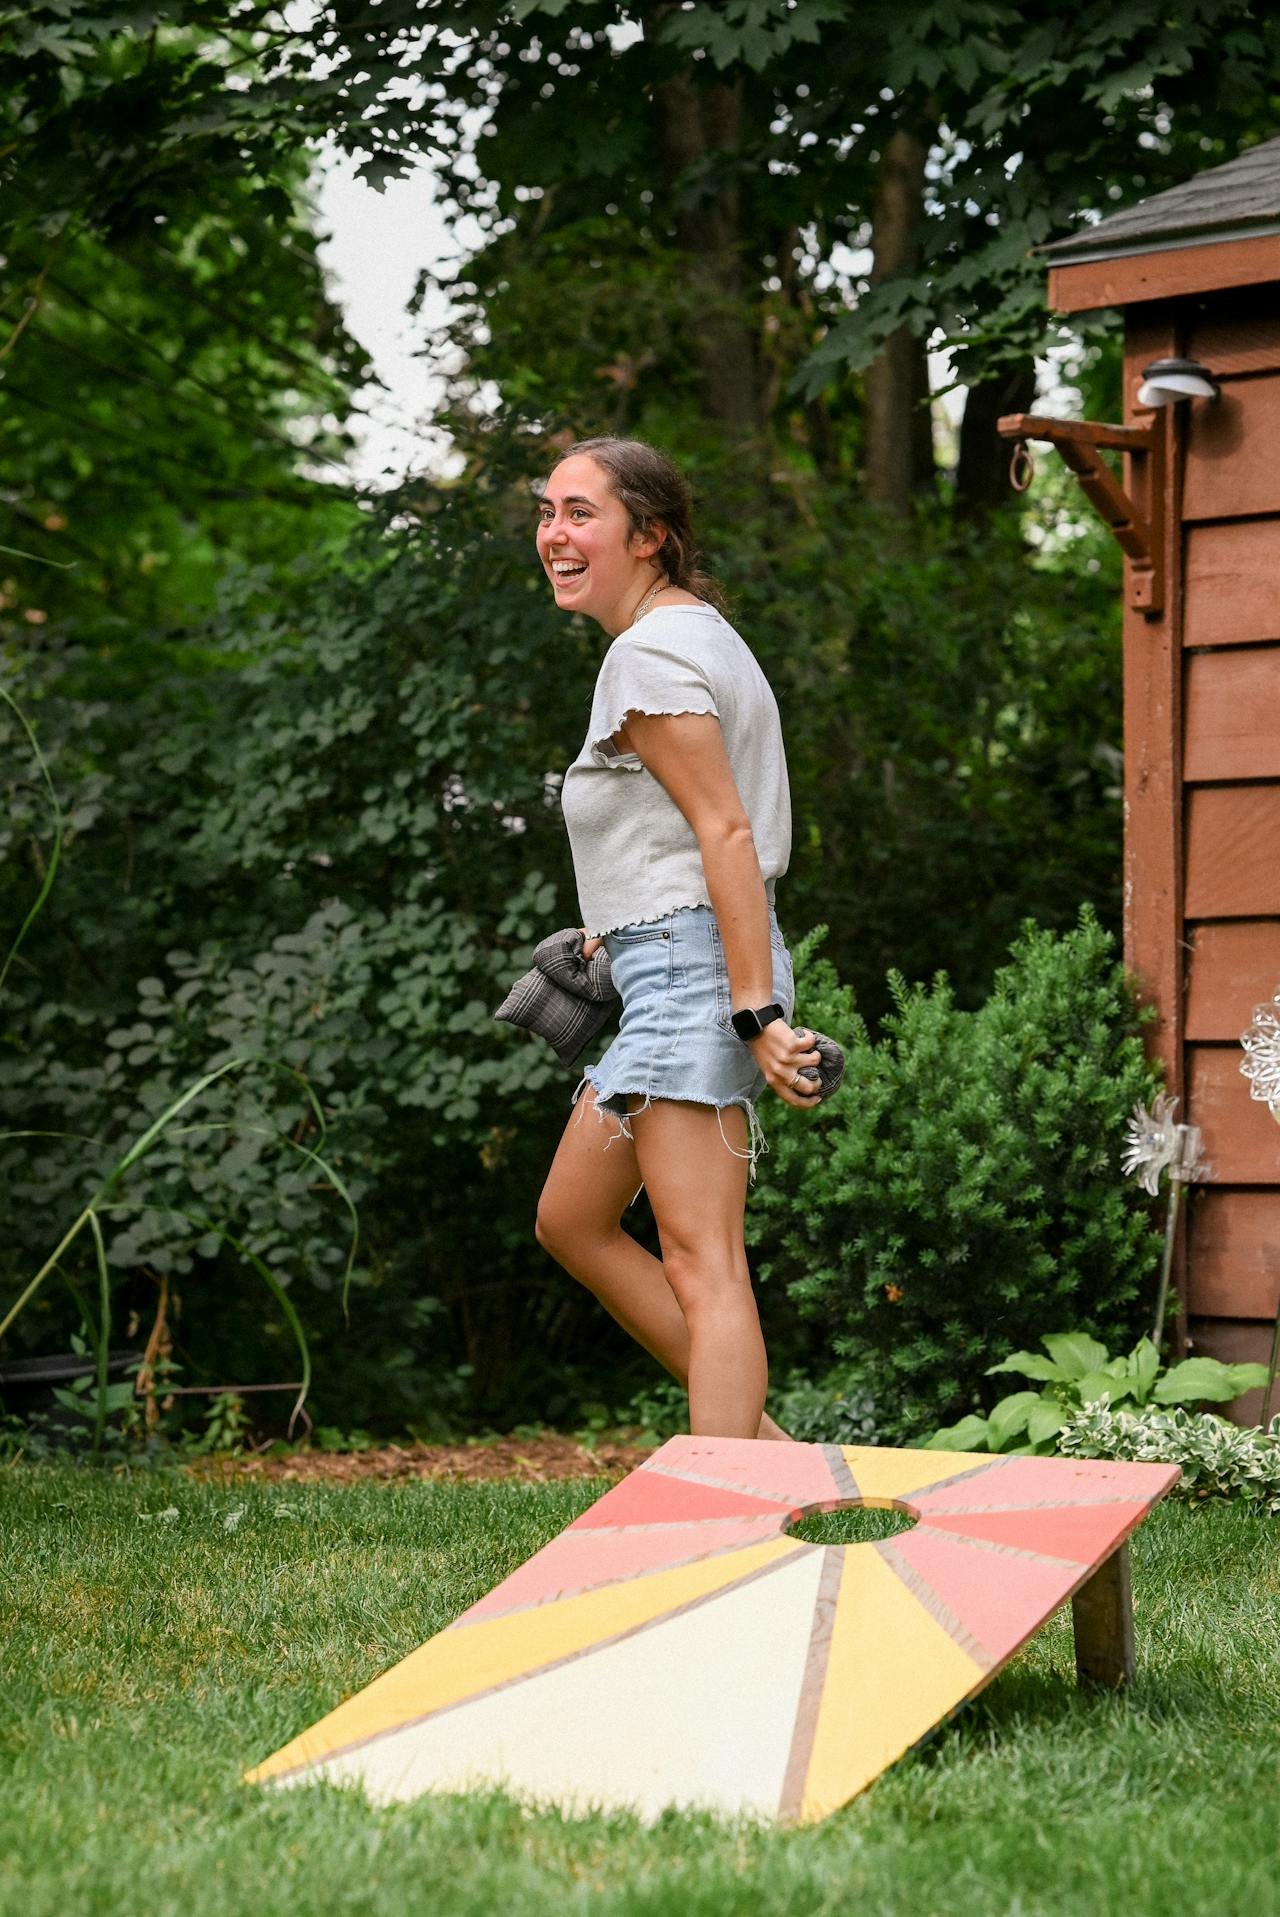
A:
x: 899, y: 446
x: 694, y: 124
x: 982, y: 470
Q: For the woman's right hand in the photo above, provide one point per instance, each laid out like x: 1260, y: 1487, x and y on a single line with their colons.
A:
x: 590, y: 946
x: 781, y: 1053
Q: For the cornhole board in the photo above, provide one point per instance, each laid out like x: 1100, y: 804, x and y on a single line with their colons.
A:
x: 676, y: 1647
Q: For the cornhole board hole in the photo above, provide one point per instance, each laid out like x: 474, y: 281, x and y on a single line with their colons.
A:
x: 676, y: 1647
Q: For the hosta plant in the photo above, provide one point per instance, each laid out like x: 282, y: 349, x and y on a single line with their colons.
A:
x: 1217, y: 1459
x: 1075, y: 1371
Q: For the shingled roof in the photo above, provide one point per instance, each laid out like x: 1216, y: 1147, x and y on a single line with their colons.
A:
x: 1240, y: 200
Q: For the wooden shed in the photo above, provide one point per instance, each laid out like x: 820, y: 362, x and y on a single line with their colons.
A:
x: 1196, y: 273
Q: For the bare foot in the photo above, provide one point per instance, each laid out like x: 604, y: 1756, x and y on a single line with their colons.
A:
x: 768, y: 1429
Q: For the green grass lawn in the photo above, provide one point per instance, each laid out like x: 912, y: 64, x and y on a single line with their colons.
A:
x: 148, y: 1658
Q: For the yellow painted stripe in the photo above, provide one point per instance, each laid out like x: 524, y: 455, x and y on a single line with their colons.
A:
x: 895, y: 1474
x: 892, y: 1674
x: 455, y: 1665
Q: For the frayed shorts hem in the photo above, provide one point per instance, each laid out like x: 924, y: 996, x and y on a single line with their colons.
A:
x: 613, y: 1104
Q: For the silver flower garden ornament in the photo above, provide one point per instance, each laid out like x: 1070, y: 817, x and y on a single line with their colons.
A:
x: 1156, y: 1143
x: 1261, y: 1066
x: 1261, y: 1063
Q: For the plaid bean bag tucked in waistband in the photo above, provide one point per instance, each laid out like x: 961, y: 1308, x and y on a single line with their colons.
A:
x: 565, y: 999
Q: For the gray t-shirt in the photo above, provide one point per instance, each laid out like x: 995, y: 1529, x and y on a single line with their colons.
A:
x: 634, y: 853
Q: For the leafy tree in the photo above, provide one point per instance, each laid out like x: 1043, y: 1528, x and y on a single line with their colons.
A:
x: 829, y: 186
x: 759, y: 148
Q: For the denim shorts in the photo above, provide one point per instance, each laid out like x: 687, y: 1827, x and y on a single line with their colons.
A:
x: 675, y: 1040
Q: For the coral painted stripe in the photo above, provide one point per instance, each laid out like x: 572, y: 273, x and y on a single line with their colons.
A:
x: 1080, y: 1533
x: 752, y: 1464
x: 649, y: 1497
x: 1000, y: 1600
x: 1053, y: 1481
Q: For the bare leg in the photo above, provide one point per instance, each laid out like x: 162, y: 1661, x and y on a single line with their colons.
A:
x: 698, y: 1190
x: 579, y: 1223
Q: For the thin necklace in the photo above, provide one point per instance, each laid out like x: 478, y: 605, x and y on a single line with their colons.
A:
x: 648, y: 600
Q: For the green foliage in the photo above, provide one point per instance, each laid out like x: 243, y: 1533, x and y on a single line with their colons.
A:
x: 322, y: 826
x: 834, y: 1407
x: 963, y: 1186
x: 953, y: 730
x: 1078, y: 1372
x: 1036, y: 121
x: 750, y: 31
x: 306, y: 755
x: 170, y: 408
x: 1217, y: 1459
x: 343, y: 853
x: 227, y: 1428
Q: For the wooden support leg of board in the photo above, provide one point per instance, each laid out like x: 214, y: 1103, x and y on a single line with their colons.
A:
x: 1102, y: 1613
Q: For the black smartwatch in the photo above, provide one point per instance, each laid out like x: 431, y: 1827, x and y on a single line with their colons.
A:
x: 749, y: 1025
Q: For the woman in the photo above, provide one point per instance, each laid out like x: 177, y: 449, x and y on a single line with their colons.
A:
x: 679, y: 820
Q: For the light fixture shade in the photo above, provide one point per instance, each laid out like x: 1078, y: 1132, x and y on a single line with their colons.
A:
x: 1166, y: 381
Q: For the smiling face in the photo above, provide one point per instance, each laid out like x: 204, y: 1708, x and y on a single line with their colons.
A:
x: 593, y: 560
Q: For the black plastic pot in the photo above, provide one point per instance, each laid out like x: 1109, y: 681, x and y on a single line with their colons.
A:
x: 27, y: 1384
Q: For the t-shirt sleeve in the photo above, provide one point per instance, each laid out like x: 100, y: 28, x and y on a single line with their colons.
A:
x: 644, y: 675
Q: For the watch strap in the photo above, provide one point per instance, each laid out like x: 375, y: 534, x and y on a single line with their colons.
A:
x: 750, y: 1024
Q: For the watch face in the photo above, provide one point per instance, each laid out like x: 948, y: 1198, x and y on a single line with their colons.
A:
x: 750, y: 1024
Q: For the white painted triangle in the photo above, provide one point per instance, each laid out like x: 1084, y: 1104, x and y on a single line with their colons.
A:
x: 696, y: 1711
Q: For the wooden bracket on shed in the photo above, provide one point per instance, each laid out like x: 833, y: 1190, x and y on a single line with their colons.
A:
x: 1140, y: 535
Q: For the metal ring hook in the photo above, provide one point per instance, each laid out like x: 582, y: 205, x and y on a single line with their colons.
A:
x: 1022, y: 467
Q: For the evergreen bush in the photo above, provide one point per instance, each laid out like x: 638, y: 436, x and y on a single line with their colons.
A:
x: 963, y: 1190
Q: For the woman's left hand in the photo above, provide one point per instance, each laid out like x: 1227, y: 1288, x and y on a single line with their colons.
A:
x: 590, y: 946
x: 780, y: 1053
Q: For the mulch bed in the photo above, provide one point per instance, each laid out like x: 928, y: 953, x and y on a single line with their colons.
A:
x: 527, y: 1460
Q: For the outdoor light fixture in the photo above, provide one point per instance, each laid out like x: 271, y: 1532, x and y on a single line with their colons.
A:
x: 1166, y: 381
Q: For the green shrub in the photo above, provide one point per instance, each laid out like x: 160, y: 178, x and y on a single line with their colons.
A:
x: 833, y: 1408
x: 1218, y: 1460
x: 836, y: 1407
x: 963, y: 1189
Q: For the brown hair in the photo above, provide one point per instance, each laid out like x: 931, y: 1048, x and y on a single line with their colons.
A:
x: 652, y: 487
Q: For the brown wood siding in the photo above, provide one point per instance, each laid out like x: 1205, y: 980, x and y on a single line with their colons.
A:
x: 1233, y: 852
x: 1230, y: 754
x: 1240, y: 337
x: 1172, y: 274
x: 1234, y: 1253
x: 1232, y: 706
x: 1202, y: 763
x: 1233, y: 451
x: 1232, y: 966
x: 1241, y: 1138
x: 1233, y: 583
x: 1234, y: 1342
